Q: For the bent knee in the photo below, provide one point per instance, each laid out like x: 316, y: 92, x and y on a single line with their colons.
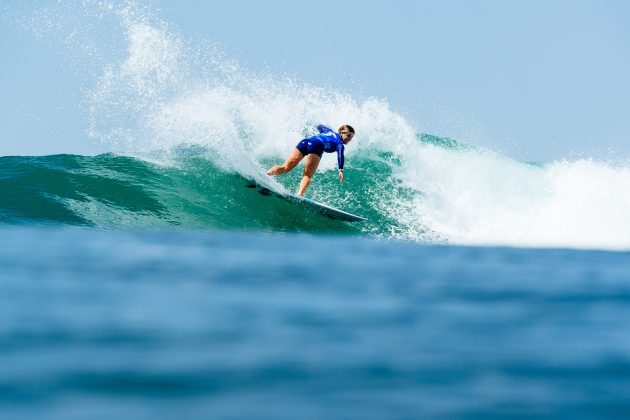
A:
x: 309, y: 170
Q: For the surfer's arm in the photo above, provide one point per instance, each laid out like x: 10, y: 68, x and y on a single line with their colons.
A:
x: 340, y: 158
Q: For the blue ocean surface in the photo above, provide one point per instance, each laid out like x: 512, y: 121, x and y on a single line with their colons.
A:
x: 98, y: 324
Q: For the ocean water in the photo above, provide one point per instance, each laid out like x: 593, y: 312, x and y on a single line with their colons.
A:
x: 150, y: 282
x: 193, y: 324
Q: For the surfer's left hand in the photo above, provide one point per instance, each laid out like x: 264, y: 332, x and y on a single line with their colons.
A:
x: 341, y: 177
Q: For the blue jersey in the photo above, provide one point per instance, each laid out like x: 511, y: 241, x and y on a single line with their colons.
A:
x: 327, y: 140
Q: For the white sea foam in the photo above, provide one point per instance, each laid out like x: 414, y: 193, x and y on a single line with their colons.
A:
x: 483, y: 198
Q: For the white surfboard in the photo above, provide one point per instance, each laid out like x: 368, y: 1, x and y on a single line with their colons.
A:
x: 312, y: 205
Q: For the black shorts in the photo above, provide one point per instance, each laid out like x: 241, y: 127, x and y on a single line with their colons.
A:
x: 308, y: 146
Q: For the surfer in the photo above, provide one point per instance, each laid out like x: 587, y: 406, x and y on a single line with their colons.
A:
x: 313, y: 147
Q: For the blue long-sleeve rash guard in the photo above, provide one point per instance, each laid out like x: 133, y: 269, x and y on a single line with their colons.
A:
x: 332, y: 142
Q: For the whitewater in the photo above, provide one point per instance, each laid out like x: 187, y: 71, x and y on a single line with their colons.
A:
x: 185, y: 124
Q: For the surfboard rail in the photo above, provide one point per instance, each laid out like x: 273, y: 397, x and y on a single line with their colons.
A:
x: 332, y: 212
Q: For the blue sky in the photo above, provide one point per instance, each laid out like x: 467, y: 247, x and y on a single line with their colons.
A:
x: 535, y: 80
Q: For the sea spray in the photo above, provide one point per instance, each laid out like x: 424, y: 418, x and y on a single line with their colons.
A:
x: 188, y: 107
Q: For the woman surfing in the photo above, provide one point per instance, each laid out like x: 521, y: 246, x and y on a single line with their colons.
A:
x: 313, y: 147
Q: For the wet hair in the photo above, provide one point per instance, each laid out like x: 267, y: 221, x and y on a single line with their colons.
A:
x: 346, y: 128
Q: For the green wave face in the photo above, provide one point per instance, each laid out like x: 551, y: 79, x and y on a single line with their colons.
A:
x: 110, y: 191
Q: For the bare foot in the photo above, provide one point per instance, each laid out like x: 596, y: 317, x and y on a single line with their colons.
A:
x: 275, y: 170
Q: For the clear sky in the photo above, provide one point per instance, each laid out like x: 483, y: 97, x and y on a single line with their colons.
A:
x: 535, y: 80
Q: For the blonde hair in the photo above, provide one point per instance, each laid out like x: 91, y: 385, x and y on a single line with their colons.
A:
x: 346, y: 129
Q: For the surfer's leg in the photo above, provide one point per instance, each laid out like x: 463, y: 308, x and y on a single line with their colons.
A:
x: 294, y: 158
x: 310, y: 166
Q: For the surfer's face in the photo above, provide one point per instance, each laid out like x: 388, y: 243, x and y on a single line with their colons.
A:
x: 346, y: 137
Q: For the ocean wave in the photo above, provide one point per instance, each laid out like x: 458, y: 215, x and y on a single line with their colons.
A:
x: 185, y: 125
